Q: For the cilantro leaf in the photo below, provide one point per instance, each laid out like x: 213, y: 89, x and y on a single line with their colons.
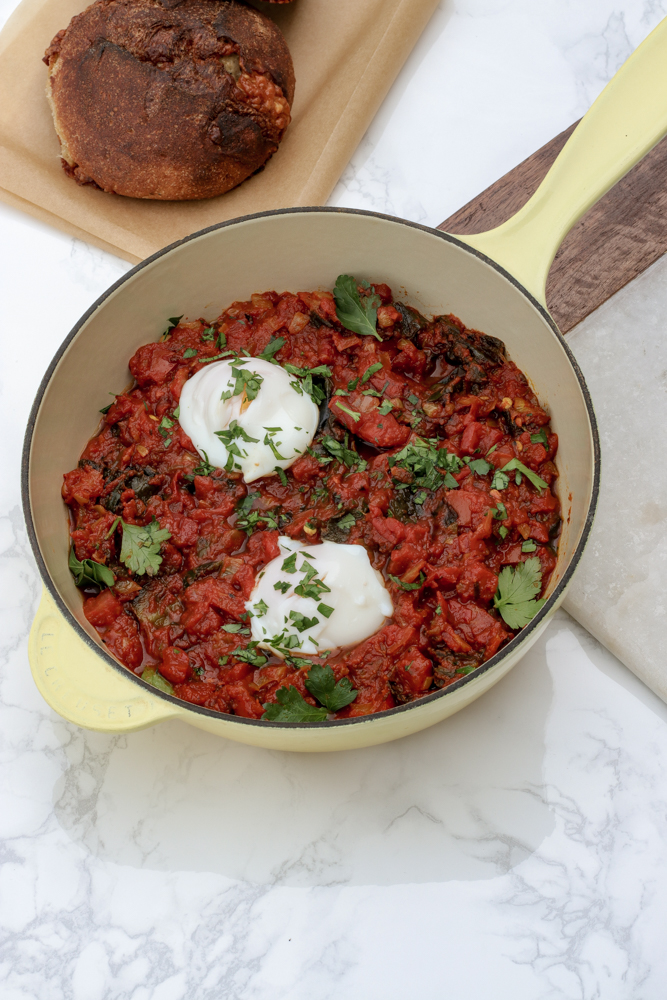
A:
x: 208, y: 333
x: 140, y: 550
x: 325, y: 610
x: 480, y: 466
x: 356, y: 314
x: 500, y: 480
x: 291, y: 706
x: 408, y: 586
x: 87, y: 571
x: 190, y: 353
x: 289, y: 564
x: 272, y: 348
x: 346, y: 522
x: 322, y: 685
x: 371, y: 370
x: 152, y: 676
x: 540, y: 438
x: 204, y: 468
x: 250, y: 655
x: 385, y: 407
x: 426, y: 461
x: 351, y: 413
x: 301, y: 622
x: 344, y: 454
x: 528, y: 473
x: 517, y: 589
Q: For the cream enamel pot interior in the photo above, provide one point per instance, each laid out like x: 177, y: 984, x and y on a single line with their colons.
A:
x: 494, y: 282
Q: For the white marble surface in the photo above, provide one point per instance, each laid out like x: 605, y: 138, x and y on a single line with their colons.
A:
x: 517, y: 851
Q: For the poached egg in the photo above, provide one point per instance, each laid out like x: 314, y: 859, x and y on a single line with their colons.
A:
x: 247, y: 415
x: 313, y: 598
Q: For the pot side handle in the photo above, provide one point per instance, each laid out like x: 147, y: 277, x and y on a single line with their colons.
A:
x: 77, y: 684
x: 625, y: 122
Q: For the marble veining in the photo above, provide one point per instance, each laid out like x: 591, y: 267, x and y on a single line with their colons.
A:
x: 518, y: 850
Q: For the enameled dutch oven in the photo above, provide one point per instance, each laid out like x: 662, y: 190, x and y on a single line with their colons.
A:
x: 495, y: 282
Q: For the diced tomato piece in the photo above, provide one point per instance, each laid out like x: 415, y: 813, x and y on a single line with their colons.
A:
x: 175, y: 665
x: 102, y: 610
x: 153, y: 364
x: 82, y: 485
x: 123, y: 640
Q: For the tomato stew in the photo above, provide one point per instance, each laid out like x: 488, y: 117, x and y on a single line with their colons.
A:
x: 408, y: 462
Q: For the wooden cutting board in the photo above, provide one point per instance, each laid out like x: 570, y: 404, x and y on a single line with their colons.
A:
x: 616, y: 240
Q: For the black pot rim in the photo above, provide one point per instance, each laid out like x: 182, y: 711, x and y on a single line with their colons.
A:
x: 494, y: 661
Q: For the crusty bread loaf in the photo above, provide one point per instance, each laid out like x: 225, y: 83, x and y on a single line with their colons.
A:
x: 169, y: 100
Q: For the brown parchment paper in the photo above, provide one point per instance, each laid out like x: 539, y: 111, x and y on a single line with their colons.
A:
x: 346, y: 55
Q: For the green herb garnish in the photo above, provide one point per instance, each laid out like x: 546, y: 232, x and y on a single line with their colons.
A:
x: 291, y: 706
x: 272, y: 348
x: 322, y: 685
x: 140, y: 549
x: 371, y: 370
x: 87, y: 571
x: 408, y: 586
x: 351, y: 413
x: 540, y: 437
x: 152, y: 676
x: 517, y: 589
x: 190, y: 353
x: 354, y: 312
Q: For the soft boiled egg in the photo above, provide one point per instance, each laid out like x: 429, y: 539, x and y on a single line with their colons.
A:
x: 247, y: 415
x: 313, y: 598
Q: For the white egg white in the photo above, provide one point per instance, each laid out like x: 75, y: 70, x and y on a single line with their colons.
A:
x: 355, y: 600
x: 280, y: 421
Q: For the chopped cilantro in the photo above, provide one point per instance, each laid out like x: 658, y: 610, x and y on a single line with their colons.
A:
x: 291, y: 706
x: 260, y: 609
x: 283, y: 586
x: 354, y: 313
x: 190, y: 353
x: 244, y: 382
x: 500, y: 480
x: 203, y: 469
x: 352, y: 385
x: 281, y: 475
x: 325, y: 610
x: 386, y: 407
x: 232, y: 627
x: 249, y: 655
x: 528, y: 473
x: 540, y: 437
x: 301, y: 622
x: 371, y: 370
x: 517, y: 589
x: 87, y: 571
x: 344, y: 454
x: 499, y: 511
x: 528, y: 546
x: 425, y: 461
x: 289, y: 565
x: 479, y: 465
x: 221, y: 342
x: 272, y: 348
x: 408, y: 586
x: 208, y: 333
x: 503, y: 531
x: 268, y: 441
x: 322, y: 685
x: 177, y: 412
x: 351, y: 413
x: 347, y: 522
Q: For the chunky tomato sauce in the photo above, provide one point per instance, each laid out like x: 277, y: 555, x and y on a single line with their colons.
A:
x: 440, y: 536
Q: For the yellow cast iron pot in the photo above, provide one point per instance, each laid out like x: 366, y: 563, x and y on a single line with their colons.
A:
x: 494, y: 281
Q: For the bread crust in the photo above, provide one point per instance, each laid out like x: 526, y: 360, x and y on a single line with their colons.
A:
x: 169, y: 100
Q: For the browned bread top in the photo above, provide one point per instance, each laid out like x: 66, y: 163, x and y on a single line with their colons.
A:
x: 172, y: 99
